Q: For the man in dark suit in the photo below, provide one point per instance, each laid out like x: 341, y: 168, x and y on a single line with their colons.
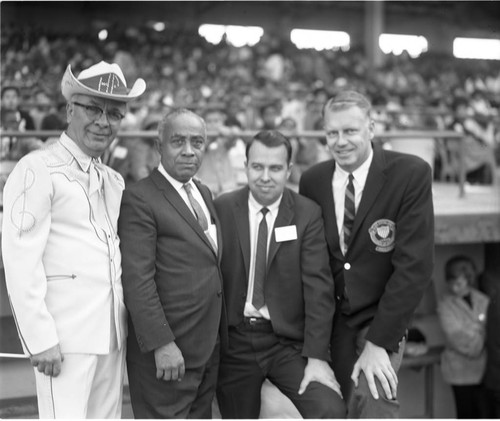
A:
x: 380, y: 235
x: 170, y: 240
x: 279, y: 291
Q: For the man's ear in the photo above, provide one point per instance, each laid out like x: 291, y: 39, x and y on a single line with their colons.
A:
x: 371, y: 128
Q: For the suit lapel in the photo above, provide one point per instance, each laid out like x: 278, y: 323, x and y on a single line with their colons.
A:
x: 174, y: 198
x: 284, y: 218
x: 327, y: 203
x: 374, y: 182
x: 240, y: 211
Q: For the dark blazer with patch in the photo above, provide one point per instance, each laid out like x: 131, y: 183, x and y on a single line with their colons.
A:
x: 171, y: 275
x: 390, y: 260
x: 299, y: 290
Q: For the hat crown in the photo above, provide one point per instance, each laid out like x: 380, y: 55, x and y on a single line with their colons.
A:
x: 103, y: 80
x: 104, y: 77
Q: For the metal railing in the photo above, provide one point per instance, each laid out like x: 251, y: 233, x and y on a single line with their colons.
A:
x: 246, y: 134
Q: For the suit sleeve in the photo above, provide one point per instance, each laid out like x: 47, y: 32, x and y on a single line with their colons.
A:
x: 318, y: 289
x: 138, y: 233
x: 412, y: 260
x: 27, y: 199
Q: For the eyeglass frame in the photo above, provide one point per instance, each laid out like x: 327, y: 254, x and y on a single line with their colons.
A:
x: 88, y: 111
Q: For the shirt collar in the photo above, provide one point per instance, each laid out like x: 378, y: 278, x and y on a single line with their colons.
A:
x: 80, y: 157
x: 255, y: 207
x: 178, y: 185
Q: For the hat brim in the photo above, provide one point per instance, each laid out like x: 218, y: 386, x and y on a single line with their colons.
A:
x: 70, y: 86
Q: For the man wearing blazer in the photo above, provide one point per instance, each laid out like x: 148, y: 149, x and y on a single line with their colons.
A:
x: 171, y: 278
x: 381, y: 242
x: 279, y: 291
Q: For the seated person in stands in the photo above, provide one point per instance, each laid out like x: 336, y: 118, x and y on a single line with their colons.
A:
x: 479, y: 157
x: 462, y: 314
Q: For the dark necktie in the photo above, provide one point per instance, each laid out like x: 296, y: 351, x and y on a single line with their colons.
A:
x: 200, y: 215
x: 260, y: 263
x: 349, y: 211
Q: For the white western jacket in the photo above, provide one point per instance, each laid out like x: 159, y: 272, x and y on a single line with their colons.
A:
x: 62, y: 268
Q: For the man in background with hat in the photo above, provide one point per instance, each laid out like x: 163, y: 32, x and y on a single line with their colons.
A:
x: 61, y: 252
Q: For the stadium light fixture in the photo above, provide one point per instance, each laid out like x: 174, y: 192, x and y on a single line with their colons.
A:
x: 237, y: 36
x: 397, y: 43
x: 320, y: 40
x: 476, y: 48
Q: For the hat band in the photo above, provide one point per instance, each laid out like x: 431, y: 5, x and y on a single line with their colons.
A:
x: 108, y: 83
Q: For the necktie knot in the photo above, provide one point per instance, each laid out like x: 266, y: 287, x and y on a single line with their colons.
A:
x: 264, y: 211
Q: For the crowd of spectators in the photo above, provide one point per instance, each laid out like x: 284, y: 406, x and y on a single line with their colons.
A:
x: 270, y: 84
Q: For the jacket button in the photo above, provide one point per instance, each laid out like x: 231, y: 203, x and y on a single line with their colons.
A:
x: 219, y: 293
x: 347, y: 266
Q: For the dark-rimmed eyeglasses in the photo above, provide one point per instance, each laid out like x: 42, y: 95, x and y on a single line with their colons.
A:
x: 94, y: 112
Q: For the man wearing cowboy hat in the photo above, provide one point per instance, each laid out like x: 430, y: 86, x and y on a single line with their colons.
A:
x: 61, y: 252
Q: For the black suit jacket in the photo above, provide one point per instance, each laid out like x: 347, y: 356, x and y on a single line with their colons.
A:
x: 386, y: 270
x: 299, y: 289
x: 171, y: 275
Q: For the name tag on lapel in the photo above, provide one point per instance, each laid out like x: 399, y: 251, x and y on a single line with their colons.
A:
x: 288, y: 233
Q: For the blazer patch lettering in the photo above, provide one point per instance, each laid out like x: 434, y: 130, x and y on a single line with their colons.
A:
x: 383, y: 234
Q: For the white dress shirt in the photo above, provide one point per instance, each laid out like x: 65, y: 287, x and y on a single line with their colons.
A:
x: 254, y: 218
x: 339, y: 185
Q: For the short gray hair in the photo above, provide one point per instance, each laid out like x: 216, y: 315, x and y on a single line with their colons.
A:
x: 166, y: 122
x: 347, y: 99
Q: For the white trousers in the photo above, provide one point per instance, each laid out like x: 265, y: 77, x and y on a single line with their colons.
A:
x: 89, y: 386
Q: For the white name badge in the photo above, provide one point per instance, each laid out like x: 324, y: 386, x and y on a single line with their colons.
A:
x: 285, y: 233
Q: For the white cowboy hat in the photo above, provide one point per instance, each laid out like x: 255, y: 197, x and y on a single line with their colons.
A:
x: 103, y: 80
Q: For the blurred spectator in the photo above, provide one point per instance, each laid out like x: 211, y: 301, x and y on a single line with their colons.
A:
x: 216, y: 170
x: 55, y: 120
x: 270, y: 116
x: 10, y: 100
x: 135, y: 158
x: 306, y: 151
x: 42, y: 106
x: 13, y: 148
x: 478, y: 156
x: 462, y: 314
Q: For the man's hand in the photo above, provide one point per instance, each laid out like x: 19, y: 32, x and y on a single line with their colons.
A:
x: 49, y: 361
x: 374, y: 362
x: 319, y: 371
x: 169, y: 362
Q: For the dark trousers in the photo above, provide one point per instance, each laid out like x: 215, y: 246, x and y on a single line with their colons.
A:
x: 189, y: 398
x: 256, y: 353
x: 471, y: 401
x: 346, y: 345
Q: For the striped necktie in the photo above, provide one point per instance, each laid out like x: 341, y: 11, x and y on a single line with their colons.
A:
x: 349, y: 211
x: 200, y: 215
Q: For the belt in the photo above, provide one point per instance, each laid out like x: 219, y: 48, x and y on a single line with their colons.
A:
x: 256, y: 321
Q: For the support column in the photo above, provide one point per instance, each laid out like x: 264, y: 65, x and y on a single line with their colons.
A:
x: 374, y: 26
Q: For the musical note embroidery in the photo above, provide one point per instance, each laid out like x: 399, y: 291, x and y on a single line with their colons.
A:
x: 22, y: 219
